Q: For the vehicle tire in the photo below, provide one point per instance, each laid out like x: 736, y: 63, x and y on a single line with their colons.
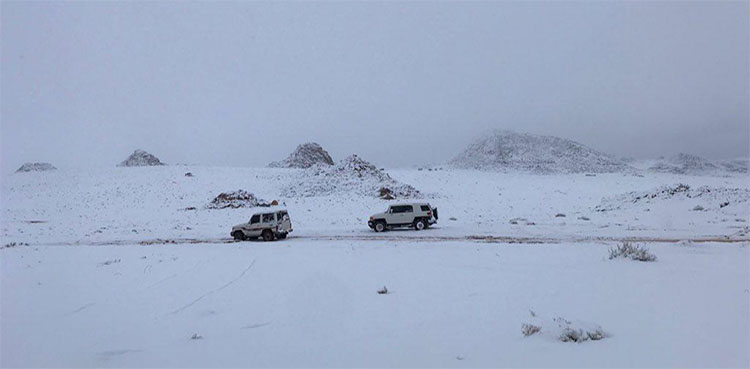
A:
x: 267, y: 235
x: 420, y: 224
x: 238, y: 235
x: 380, y: 227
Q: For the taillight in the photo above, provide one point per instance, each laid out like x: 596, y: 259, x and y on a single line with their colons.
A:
x: 429, y: 213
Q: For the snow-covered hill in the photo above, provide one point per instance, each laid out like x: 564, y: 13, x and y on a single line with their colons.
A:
x: 695, y: 165
x: 140, y: 158
x: 35, y: 167
x: 503, y: 150
x: 351, y: 175
x: 685, y: 164
x: 305, y: 156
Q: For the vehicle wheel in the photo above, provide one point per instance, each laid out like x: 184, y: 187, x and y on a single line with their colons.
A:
x: 419, y: 225
x: 238, y: 235
x: 379, y: 226
x: 267, y: 235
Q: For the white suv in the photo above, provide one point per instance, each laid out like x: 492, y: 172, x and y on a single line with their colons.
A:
x: 269, y: 224
x: 419, y: 215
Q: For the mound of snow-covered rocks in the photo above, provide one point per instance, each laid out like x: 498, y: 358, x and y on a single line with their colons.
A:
x: 504, y: 150
x: 305, y: 156
x: 703, y: 198
x: 236, y: 199
x: 35, y: 167
x: 685, y: 164
x: 140, y: 158
x: 353, y: 175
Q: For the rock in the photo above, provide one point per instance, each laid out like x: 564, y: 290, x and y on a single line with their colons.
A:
x: 559, y: 215
x: 140, y: 158
x: 305, y: 156
x: 188, y: 174
x: 522, y: 221
x: 584, y: 218
x: 35, y: 167
x: 698, y: 208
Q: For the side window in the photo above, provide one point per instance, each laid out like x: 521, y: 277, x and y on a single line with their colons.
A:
x: 255, y: 219
x: 268, y: 218
x: 425, y: 208
x: 402, y: 209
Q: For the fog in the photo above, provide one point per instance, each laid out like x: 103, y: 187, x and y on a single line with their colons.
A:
x: 400, y: 84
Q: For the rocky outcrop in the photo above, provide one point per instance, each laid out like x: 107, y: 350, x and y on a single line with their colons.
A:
x: 236, y: 199
x: 504, y: 150
x: 140, y: 158
x: 305, y: 156
x: 35, y: 167
x: 351, y: 175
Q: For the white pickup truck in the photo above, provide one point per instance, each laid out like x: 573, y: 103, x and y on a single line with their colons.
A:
x: 269, y: 224
x: 419, y: 215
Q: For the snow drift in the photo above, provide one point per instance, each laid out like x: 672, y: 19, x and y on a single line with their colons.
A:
x: 140, y: 158
x: 504, y: 150
x: 35, y: 167
x: 305, y: 156
x: 352, y: 174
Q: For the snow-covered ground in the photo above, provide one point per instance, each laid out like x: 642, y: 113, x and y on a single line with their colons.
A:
x: 146, y: 203
x: 118, y: 273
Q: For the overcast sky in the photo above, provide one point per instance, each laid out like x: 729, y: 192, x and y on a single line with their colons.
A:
x: 242, y: 83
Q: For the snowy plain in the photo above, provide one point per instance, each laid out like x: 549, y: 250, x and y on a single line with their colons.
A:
x: 118, y: 273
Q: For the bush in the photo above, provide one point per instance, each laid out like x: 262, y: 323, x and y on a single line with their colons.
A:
x: 631, y: 251
x: 578, y: 332
x: 529, y: 329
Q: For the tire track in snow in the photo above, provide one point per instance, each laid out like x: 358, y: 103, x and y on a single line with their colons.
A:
x: 201, y: 297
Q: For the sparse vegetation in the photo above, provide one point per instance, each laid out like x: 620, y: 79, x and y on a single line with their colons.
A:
x: 578, y: 332
x: 631, y: 251
x: 529, y: 329
x: 383, y: 291
x: 14, y: 244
